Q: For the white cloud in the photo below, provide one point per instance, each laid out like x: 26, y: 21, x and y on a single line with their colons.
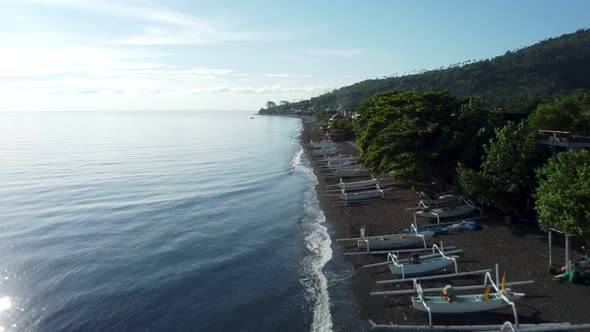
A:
x: 275, y: 89
x: 81, y: 70
x: 163, y: 25
x: 45, y: 65
x: 287, y: 75
x: 345, y: 53
x: 191, y: 36
x: 30, y: 61
x: 139, y: 10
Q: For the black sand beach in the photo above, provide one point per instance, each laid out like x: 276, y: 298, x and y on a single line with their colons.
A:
x: 520, y: 249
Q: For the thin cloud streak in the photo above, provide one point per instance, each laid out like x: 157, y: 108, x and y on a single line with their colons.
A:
x: 262, y: 90
x: 287, y: 75
x: 165, y: 26
x: 345, y: 53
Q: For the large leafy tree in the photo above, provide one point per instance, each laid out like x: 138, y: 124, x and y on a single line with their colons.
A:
x: 564, y: 113
x: 506, y: 177
x: 564, y: 193
x: 420, y: 135
x: 342, y: 130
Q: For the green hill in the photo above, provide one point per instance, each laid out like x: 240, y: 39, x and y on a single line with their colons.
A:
x: 511, y: 81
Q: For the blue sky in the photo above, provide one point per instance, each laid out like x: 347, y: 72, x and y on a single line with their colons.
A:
x: 236, y: 55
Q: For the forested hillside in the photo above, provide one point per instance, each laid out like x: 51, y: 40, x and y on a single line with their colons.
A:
x: 512, y: 81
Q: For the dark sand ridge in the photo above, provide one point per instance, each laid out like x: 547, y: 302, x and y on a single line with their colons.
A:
x: 521, y: 249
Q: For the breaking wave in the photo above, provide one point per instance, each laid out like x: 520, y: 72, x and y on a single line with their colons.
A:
x: 317, y: 242
x: 296, y: 159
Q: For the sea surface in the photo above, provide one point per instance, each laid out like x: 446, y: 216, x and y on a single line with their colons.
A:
x: 160, y: 221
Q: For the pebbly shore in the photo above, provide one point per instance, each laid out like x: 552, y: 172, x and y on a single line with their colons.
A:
x: 520, y: 249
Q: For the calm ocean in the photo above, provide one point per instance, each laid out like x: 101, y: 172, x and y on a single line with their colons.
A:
x: 159, y: 221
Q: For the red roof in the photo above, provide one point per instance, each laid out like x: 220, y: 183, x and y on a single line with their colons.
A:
x: 336, y: 116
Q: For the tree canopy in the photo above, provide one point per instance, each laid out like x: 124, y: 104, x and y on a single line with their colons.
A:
x: 564, y: 193
x: 506, y: 176
x: 342, y: 130
x: 419, y: 135
x: 564, y: 113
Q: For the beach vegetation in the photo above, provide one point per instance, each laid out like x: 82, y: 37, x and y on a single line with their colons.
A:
x: 565, y: 113
x: 342, y: 129
x: 564, y: 192
x: 506, y: 176
x: 421, y: 135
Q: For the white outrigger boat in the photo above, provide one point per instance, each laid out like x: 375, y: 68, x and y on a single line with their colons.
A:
x: 351, y: 172
x: 394, y: 240
x: 447, y: 200
x: 356, y: 185
x: 505, y: 327
x: 447, y: 211
x: 409, y: 268
x: 456, y: 304
x: 325, y: 151
x: 361, y: 196
x: 462, y: 304
x: 336, y: 160
x: 344, y: 164
x: 320, y: 145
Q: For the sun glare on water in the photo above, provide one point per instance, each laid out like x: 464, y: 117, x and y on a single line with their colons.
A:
x: 5, y: 304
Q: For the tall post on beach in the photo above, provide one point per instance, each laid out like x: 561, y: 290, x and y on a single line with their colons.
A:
x: 550, y: 244
x: 567, y: 253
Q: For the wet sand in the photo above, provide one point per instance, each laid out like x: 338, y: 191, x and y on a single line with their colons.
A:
x: 520, y: 249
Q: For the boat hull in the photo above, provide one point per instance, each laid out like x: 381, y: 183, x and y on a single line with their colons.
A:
x: 462, y: 304
x: 425, y: 267
x: 446, y: 212
x: 361, y: 196
x: 398, y: 241
x: 359, y: 184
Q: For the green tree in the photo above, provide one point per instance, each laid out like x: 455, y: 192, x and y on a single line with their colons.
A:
x: 420, y: 135
x: 506, y: 177
x: 342, y: 130
x: 270, y: 104
x: 564, y: 192
x: 564, y: 113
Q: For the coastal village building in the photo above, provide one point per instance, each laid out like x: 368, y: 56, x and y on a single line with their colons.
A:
x: 336, y: 116
x: 563, y: 140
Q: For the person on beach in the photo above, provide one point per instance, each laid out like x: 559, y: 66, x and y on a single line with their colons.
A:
x: 448, y: 292
x: 580, y: 274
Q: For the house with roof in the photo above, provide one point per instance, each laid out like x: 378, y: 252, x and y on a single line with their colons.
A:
x: 336, y: 116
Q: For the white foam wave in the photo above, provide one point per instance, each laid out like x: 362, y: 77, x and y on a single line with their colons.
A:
x: 296, y: 159
x: 299, y: 130
x: 317, y: 242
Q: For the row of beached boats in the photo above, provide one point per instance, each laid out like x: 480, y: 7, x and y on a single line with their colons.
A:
x: 419, y: 266
x: 411, y: 259
x: 349, y: 192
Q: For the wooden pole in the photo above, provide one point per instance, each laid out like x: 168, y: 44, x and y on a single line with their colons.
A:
x: 394, y: 251
x: 550, y: 245
x: 567, y: 253
x: 441, y: 276
x: 431, y: 290
x: 520, y: 327
x: 449, y: 252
